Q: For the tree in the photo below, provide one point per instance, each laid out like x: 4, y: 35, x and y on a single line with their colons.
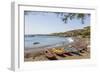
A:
x: 71, y: 16
x: 63, y: 15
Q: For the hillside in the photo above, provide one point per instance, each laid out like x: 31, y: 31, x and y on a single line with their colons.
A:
x: 85, y: 32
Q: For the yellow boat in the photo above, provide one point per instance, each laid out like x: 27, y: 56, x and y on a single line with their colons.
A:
x: 58, y: 50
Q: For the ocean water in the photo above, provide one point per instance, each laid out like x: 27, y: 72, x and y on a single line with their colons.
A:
x: 45, y: 41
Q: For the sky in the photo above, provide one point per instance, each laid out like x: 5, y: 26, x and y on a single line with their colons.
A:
x: 47, y: 23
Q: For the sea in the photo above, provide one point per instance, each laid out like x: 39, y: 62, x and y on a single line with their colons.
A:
x: 38, y: 41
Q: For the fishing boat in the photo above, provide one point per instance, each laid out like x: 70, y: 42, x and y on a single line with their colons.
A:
x: 36, y: 43
x: 50, y: 55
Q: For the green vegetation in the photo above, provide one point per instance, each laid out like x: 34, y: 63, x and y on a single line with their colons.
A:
x: 64, y: 16
x: 85, y: 32
x: 70, y: 16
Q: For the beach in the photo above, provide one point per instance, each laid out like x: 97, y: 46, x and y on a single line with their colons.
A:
x: 56, y: 36
x: 38, y: 54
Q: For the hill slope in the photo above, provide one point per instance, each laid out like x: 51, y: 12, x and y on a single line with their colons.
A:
x: 85, y: 32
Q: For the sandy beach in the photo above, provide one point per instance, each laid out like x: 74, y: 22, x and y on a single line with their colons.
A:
x: 38, y: 54
x: 56, y: 36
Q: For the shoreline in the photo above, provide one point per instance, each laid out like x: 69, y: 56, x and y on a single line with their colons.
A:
x: 37, y: 54
x: 43, y: 47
